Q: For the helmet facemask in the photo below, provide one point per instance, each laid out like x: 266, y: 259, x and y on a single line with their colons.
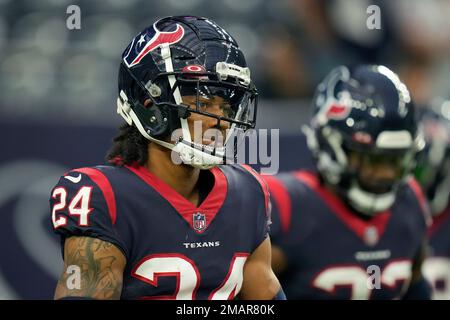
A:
x: 374, y: 178
x: 353, y: 170
x: 187, y: 93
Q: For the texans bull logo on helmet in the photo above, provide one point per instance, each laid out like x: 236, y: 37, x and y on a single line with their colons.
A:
x: 149, y: 40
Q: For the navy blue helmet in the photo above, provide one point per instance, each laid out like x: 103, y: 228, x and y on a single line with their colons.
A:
x: 433, y: 162
x: 363, y: 115
x: 185, y: 56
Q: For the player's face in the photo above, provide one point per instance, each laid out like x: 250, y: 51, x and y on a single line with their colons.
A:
x: 214, y: 105
x: 376, y: 172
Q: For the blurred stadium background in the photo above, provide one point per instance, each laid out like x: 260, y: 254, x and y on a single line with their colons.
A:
x: 58, y: 89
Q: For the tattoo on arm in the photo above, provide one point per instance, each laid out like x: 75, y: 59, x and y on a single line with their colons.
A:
x: 100, y: 266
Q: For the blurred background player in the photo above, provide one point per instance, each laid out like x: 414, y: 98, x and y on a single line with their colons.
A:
x: 355, y: 227
x: 433, y: 173
x: 145, y: 227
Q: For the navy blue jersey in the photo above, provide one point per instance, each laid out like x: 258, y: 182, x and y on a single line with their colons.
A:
x: 437, y: 266
x: 332, y: 252
x: 173, y: 249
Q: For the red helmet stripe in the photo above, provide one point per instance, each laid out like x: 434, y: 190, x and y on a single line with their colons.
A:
x: 158, y: 39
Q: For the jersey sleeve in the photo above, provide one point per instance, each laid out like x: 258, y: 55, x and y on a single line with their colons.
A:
x: 83, y: 204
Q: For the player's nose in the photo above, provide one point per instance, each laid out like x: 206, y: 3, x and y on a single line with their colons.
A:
x: 216, y: 110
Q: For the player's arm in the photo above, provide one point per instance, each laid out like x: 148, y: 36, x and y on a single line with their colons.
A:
x: 99, y: 266
x: 279, y: 260
x: 260, y: 283
x: 419, y: 288
x: 83, y: 215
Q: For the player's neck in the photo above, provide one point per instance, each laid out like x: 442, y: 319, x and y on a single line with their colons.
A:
x: 182, y: 178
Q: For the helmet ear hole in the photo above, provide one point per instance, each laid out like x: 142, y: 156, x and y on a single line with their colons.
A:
x: 158, y: 120
x: 155, y: 119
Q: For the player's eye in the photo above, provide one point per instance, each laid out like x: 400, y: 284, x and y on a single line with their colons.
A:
x: 203, y: 105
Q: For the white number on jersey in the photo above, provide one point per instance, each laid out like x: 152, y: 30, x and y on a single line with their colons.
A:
x: 188, y: 276
x: 79, y: 206
x: 356, y: 278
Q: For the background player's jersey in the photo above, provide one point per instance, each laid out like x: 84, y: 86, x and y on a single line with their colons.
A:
x: 436, y: 267
x: 334, y: 254
x: 173, y: 249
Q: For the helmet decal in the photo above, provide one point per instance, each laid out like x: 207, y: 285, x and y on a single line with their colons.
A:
x: 141, y: 47
x: 193, y: 68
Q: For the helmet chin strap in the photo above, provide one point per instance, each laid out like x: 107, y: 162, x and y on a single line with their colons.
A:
x: 367, y: 202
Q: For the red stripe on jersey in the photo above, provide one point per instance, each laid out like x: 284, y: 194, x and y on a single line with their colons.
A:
x: 282, y: 200
x: 210, y: 205
x: 263, y: 184
x: 438, y: 221
x: 415, y: 187
x: 102, y: 182
x: 337, y: 206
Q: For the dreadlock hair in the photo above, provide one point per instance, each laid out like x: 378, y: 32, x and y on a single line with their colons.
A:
x: 129, y: 146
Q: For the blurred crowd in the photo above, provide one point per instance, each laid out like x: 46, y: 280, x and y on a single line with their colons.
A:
x: 46, y: 69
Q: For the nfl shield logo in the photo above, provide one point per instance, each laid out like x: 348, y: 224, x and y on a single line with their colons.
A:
x: 199, y: 221
x: 371, y: 236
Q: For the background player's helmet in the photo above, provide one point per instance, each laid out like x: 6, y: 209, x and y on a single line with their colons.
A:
x: 433, y: 162
x: 186, y: 56
x: 365, y: 112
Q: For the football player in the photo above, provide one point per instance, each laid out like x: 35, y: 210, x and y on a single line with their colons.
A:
x: 355, y: 227
x: 433, y: 173
x: 147, y: 226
